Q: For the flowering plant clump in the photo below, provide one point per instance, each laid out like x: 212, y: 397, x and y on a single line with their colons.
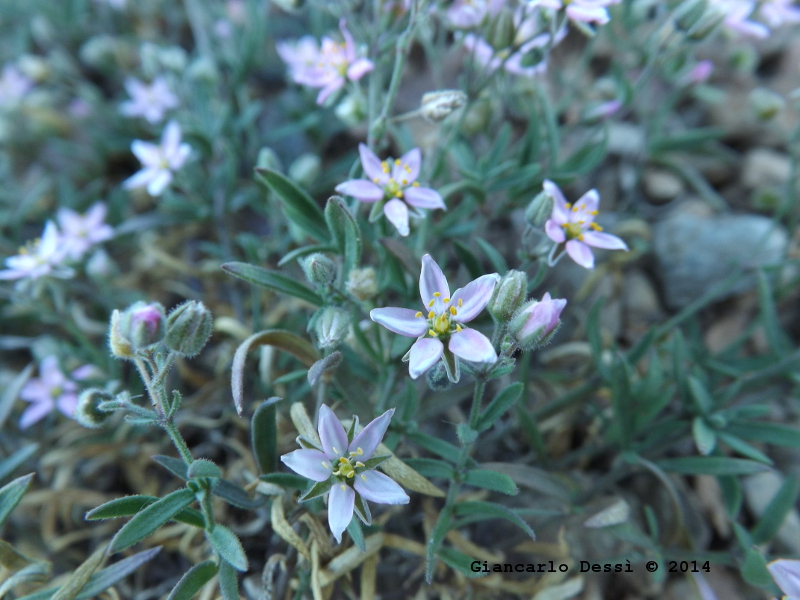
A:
x: 441, y: 321
x: 44, y: 257
x: 159, y: 161
x: 394, y: 185
x: 151, y: 102
x: 343, y: 465
x: 52, y: 389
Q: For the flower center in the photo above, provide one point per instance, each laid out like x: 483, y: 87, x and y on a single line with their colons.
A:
x: 346, y: 465
x: 443, y: 323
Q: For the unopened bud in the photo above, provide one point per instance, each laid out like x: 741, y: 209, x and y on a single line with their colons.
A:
x: 332, y: 326
x: 305, y: 170
x: 536, y: 322
x: 509, y: 294
x: 138, y: 327
x: 352, y: 110
x: 765, y: 103
x: 34, y: 67
x: 203, y: 69
x: 189, y: 326
x: 706, y: 25
x: 88, y: 412
x: 100, y: 265
x: 539, y: 210
x: 501, y: 30
x: 689, y: 13
x: 268, y: 159
x: 437, y: 378
x: 361, y: 283
x: 319, y: 269
x: 436, y: 106
x: 100, y: 52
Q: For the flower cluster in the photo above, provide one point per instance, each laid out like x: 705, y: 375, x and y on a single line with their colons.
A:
x: 328, y: 66
x: 49, y: 255
x: 740, y: 16
x: 159, y: 161
x: 52, y: 389
x: 151, y: 102
x: 579, y: 11
x: 343, y: 465
x: 393, y: 183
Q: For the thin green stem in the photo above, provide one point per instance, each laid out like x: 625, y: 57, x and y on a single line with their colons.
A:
x: 172, y: 430
x: 477, y: 398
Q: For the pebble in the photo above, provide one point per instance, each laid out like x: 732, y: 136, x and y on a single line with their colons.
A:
x: 662, y: 186
x: 764, y: 167
x: 697, y: 250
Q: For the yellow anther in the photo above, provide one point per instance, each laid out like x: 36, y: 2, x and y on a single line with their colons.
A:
x: 415, y: 184
x: 344, y: 487
x: 396, y: 161
x: 446, y: 300
x: 359, y: 451
x: 436, y: 294
x: 364, y: 477
x: 391, y: 179
x: 335, y: 451
x: 460, y: 303
x: 568, y: 205
x: 407, y: 169
x: 458, y: 327
x: 580, y: 237
x: 376, y: 179
x: 399, y: 193
x: 351, y: 474
x: 593, y: 213
x: 359, y: 464
x: 574, y: 209
x: 419, y: 314
x: 431, y: 314
x: 431, y: 303
x: 432, y: 332
x: 595, y: 226
x: 405, y: 181
x: 342, y: 460
x: 453, y: 311
x: 564, y: 225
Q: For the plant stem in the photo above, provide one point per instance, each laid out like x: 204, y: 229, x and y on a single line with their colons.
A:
x: 477, y: 397
x: 169, y: 426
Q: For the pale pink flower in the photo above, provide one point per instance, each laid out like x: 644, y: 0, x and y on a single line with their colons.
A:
x: 700, y: 72
x: 159, y: 162
x: 575, y: 225
x: 81, y: 232
x: 346, y: 468
x: 786, y: 573
x: 737, y: 17
x: 442, y: 322
x: 582, y: 11
x: 394, y: 182
x: 13, y: 86
x: 151, y: 102
x: 328, y: 67
x: 537, y: 320
x: 779, y: 12
x: 52, y: 389
x: 603, y: 110
x: 43, y: 257
x: 466, y: 14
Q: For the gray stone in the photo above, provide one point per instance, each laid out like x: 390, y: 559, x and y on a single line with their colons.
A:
x: 763, y: 166
x: 661, y: 185
x: 697, y: 250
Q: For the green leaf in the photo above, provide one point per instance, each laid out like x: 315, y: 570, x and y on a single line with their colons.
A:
x: 693, y: 139
x: 430, y: 467
x: 705, y: 438
x: 711, y: 465
x: 236, y: 495
x: 491, y: 480
x: 272, y: 280
x: 459, y: 561
x: 228, y: 581
x: 130, y: 505
x: 264, y: 436
x: 499, y: 405
x: 11, y: 559
x: 484, y: 511
x: 494, y: 256
x: 305, y: 250
x: 595, y: 340
x: 361, y: 509
x: 11, y: 494
x: 80, y: 577
x: 743, y: 448
x: 174, y: 465
x: 286, y: 480
x: 283, y: 340
x: 775, y: 513
x: 754, y: 569
x: 322, y: 366
x: 10, y: 394
x: 622, y: 401
x: 356, y: 534
x: 701, y: 396
x: 317, y: 490
x: 37, y: 572
x: 376, y: 461
x: 344, y: 231
x: 435, y: 542
x: 13, y: 462
x: 151, y: 518
x: 732, y: 495
x: 433, y: 444
x: 202, y: 467
x: 193, y: 581
x: 297, y: 205
x: 466, y: 434
x: 769, y: 433
x: 769, y: 316
x: 582, y: 161
x: 467, y: 258
x: 225, y: 542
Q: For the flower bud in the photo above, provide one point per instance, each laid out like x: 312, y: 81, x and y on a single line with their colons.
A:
x: 204, y: 70
x: 332, y: 326
x: 319, y: 269
x: 501, y: 30
x: 138, y: 327
x: 539, y: 210
x: 689, y: 13
x: 706, y: 25
x: 436, y: 106
x: 305, y: 170
x: 88, y: 412
x: 361, y: 283
x: 189, y: 326
x: 437, y: 378
x: 268, y: 159
x: 536, y: 322
x: 352, y: 110
x: 100, y: 52
x: 508, y: 295
x: 765, y: 103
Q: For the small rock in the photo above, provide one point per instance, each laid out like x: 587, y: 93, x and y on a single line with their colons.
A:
x: 759, y: 490
x: 764, y: 167
x: 642, y: 307
x: 661, y: 185
x: 697, y: 250
x: 625, y: 139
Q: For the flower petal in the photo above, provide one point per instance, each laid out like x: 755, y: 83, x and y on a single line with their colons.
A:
x: 432, y: 280
x: 147, y: 153
x: 580, y: 253
x: 406, y: 170
x: 331, y: 433
x: 372, y: 164
x: 335, y: 84
x: 786, y: 573
x: 67, y: 403
x: 35, y: 412
x: 585, y: 208
x: 397, y: 213
x: 473, y: 346
x: 554, y: 231
x: 379, y: 488
x: 603, y: 240
x: 422, y: 197
x: 400, y: 320
x: 171, y: 138
x: 369, y: 437
x: 560, y: 210
x: 159, y: 182
x: 309, y: 464
x: 361, y: 189
x: 359, y: 68
x: 340, y: 509
x: 470, y: 300
x: 423, y: 355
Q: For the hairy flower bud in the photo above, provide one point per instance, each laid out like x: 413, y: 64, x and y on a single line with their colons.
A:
x: 332, y: 326
x: 88, y: 412
x: 436, y: 106
x: 539, y: 209
x: 138, y: 327
x: 437, y: 378
x: 361, y: 283
x: 536, y: 322
x: 305, y: 169
x: 189, y: 326
x: 508, y: 296
x: 268, y: 159
x: 689, y: 13
x: 501, y: 30
x: 319, y: 269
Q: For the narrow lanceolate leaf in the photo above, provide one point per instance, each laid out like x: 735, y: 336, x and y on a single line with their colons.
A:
x: 228, y: 582
x: 151, y: 518
x: 499, y: 405
x: 459, y: 561
x: 297, y: 205
x: 705, y: 438
x: 11, y: 494
x: 711, y: 465
x: 236, y: 496
x: 264, y: 436
x: 174, y: 465
x: 33, y: 573
x: 225, y: 542
x: 491, y: 480
x: 10, y: 464
x: 272, y: 280
x: 11, y: 559
x: 283, y: 340
x: 10, y: 394
x: 193, y: 581
x: 488, y: 510
x: 700, y: 394
x: 775, y: 513
x: 81, y: 576
x: 356, y: 534
x: 344, y: 231
x: 435, y: 542
x: 131, y: 505
x: 285, y: 480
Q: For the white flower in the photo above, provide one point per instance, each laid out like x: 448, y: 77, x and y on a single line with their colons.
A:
x: 13, y: 86
x: 150, y: 102
x: 159, y: 162
x: 81, y: 232
x: 41, y: 258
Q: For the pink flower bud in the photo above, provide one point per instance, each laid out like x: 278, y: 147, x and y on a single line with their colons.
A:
x: 536, y: 321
